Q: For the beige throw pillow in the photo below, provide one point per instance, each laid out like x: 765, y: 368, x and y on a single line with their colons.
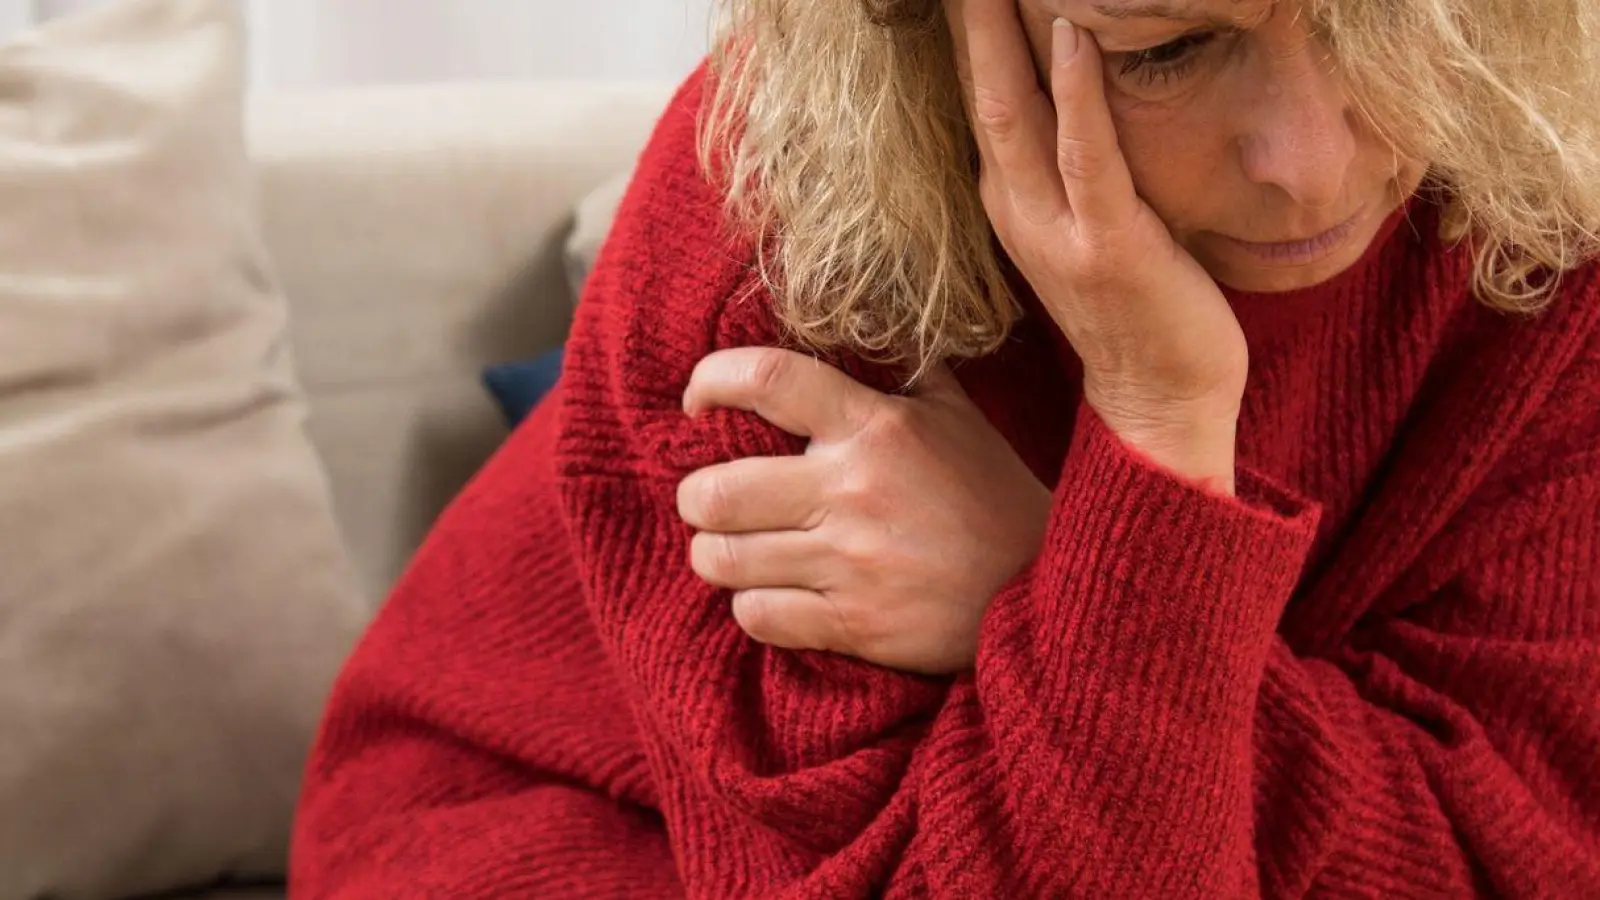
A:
x: 174, y: 598
x: 591, y: 225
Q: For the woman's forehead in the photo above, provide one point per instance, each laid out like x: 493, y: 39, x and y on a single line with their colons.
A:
x: 1228, y: 12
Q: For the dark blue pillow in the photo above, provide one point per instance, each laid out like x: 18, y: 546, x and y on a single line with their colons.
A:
x: 519, y: 386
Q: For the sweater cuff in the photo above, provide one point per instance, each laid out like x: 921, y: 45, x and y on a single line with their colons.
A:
x: 1145, y: 576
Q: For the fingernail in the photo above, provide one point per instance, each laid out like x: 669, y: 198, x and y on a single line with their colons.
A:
x: 1066, y: 41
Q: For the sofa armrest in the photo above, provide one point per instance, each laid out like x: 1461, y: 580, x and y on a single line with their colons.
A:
x: 417, y: 232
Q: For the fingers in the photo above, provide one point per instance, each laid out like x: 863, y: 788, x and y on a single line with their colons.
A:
x: 1078, y: 171
x: 755, y: 494
x: 1010, y: 113
x: 794, y: 392
x: 744, y: 561
x: 1089, y: 160
x: 791, y: 619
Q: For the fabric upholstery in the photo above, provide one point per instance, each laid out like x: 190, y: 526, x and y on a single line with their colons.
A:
x: 419, y: 231
x: 591, y: 226
x: 518, y: 387
x: 174, y: 594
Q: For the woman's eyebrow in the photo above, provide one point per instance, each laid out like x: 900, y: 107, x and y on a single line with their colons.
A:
x: 1183, y: 11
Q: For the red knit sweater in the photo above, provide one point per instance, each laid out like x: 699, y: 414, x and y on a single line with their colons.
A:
x: 1375, y: 674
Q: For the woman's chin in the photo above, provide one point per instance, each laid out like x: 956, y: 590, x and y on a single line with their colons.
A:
x: 1280, y: 280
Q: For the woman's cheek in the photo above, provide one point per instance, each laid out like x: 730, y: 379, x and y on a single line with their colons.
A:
x: 1177, y: 160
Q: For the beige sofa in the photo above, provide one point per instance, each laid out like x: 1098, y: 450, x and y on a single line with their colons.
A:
x: 418, y: 232
x: 178, y: 583
x: 420, y: 235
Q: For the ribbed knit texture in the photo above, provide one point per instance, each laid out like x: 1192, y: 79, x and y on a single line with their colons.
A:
x: 1375, y: 674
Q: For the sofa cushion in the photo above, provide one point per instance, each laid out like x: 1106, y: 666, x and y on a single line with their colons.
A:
x: 417, y: 230
x: 518, y: 387
x: 591, y: 225
x: 237, y: 893
x: 174, y: 598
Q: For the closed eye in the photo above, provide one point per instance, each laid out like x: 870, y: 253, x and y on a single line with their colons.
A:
x: 1166, y: 62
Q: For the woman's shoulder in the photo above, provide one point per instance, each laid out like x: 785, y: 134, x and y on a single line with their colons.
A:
x: 1530, y: 385
x: 1565, y: 337
x: 672, y: 283
x: 671, y: 262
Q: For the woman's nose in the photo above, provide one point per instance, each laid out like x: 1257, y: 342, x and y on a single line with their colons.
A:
x: 1300, y: 133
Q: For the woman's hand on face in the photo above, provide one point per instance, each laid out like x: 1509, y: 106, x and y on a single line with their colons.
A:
x: 887, y: 539
x: 1164, y: 358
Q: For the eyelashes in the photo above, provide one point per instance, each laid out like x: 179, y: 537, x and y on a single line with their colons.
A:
x: 1169, y: 62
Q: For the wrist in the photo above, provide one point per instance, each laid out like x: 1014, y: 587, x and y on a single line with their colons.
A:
x: 1194, y: 439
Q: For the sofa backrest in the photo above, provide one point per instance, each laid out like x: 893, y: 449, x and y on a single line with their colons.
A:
x: 418, y: 232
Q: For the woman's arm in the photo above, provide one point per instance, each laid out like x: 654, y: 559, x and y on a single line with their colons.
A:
x: 1136, y: 726
x: 1138, y: 729
x: 476, y: 746
x: 467, y: 747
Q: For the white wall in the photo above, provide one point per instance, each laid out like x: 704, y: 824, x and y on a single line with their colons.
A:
x: 304, y: 43
x: 310, y: 42
x: 15, y: 14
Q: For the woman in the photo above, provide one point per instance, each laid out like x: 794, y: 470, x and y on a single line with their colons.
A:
x: 1249, y: 544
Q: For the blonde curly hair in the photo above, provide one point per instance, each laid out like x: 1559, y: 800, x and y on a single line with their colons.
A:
x: 837, y: 129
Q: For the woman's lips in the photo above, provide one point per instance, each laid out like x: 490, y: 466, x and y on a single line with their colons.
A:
x: 1300, y: 252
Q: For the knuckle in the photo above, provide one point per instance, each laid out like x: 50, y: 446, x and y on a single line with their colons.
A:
x: 854, y: 489
x: 692, y: 505
x: 712, y: 556
x: 1097, y: 261
x: 843, y: 631
x: 820, y: 513
x: 1094, y: 272
x: 995, y: 114
x: 893, y: 423
x: 864, y: 629
x: 1080, y: 160
x: 713, y: 502
x: 864, y: 552
x: 767, y: 370
x: 754, y: 615
x: 686, y: 507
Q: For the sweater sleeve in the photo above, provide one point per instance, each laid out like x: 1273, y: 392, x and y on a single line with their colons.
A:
x: 552, y: 704
x: 474, y: 748
x: 1136, y: 726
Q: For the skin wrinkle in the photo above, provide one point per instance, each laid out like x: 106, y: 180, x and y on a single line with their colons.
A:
x: 1275, y: 149
x: 898, y: 263
x: 1184, y: 12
